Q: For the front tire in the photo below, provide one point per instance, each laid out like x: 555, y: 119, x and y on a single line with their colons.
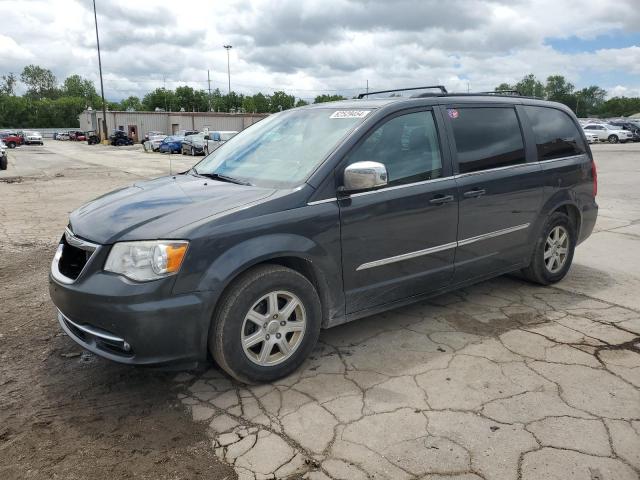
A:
x: 553, y: 252
x: 266, y: 324
x: 3, y: 163
x: 613, y: 139
x: 11, y: 144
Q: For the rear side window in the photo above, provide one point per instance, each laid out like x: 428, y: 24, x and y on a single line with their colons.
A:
x: 486, y: 138
x: 555, y: 133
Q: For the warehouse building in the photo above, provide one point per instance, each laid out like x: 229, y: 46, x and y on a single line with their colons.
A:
x: 137, y: 124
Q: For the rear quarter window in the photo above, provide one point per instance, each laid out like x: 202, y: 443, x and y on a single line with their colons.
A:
x: 555, y: 133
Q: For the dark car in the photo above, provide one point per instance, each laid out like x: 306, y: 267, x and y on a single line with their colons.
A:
x: 119, y: 138
x: 630, y: 126
x: 171, y: 144
x: 92, y: 137
x: 321, y: 215
x: 193, y: 144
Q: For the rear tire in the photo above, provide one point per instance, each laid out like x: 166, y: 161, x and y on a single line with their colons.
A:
x: 268, y: 309
x: 3, y: 163
x: 553, y: 253
x: 11, y: 144
x: 613, y: 139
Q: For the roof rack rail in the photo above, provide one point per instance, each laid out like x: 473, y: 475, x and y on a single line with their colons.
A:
x: 500, y: 92
x: 442, y: 89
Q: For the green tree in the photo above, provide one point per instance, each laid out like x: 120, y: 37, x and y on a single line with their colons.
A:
x: 619, y: 107
x: 131, y: 103
x: 8, y: 84
x: 281, y: 101
x: 261, y: 102
x: 504, y: 86
x: 40, y: 82
x: 558, y: 89
x: 589, y: 100
x: 160, y: 98
x: 530, y: 86
x: 328, y: 98
x: 301, y: 103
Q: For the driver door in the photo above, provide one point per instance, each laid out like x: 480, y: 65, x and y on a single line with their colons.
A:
x: 400, y: 240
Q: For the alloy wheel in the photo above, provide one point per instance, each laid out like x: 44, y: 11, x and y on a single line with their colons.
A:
x: 556, y: 249
x: 273, y: 328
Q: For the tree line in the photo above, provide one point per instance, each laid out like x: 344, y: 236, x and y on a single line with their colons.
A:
x: 48, y: 103
x: 586, y: 102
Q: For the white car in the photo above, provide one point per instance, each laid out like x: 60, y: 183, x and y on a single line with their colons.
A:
x: 31, y: 137
x: 153, y: 144
x: 591, y: 137
x: 3, y: 156
x: 216, y: 138
x: 608, y: 133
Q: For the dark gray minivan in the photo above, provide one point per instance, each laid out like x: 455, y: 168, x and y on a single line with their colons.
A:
x: 320, y: 215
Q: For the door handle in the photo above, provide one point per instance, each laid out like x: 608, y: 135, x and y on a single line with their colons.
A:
x: 440, y: 199
x: 476, y: 192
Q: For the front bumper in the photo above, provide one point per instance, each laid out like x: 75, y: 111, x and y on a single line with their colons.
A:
x: 129, y: 322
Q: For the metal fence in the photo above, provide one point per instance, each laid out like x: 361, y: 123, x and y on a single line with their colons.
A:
x: 46, y: 132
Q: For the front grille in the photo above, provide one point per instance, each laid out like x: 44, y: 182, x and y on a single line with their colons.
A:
x: 73, y: 259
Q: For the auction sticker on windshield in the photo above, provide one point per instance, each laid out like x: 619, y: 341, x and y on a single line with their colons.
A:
x: 350, y: 114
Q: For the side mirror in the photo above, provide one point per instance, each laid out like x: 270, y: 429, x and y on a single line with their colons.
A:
x: 365, y: 176
x: 206, y: 137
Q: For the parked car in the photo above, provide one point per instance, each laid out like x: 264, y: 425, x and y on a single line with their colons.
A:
x: 150, y: 134
x: 119, y: 138
x: 193, y: 144
x: 156, y: 140
x: 217, y: 138
x: 591, y: 137
x: 171, y: 144
x: 77, y: 136
x: 11, y: 139
x: 31, y: 137
x: 4, y: 161
x: 184, y: 133
x: 608, y: 133
x: 92, y: 137
x: 629, y: 126
x: 62, y: 136
x: 320, y: 215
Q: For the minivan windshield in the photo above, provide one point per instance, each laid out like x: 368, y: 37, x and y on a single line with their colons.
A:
x: 282, y: 150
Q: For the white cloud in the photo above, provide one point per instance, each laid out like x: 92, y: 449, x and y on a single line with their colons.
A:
x: 312, y: 46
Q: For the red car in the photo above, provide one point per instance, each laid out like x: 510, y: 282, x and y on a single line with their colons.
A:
x: 78, y: 136
x: 11, y: 139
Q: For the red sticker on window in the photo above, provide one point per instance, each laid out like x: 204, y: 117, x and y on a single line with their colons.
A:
x: 453, y: 113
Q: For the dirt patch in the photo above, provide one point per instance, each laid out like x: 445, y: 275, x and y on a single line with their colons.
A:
x: 64, y: 414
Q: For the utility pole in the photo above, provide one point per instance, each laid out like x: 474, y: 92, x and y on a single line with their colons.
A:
x: 367, y: 86
x: 227, y: 48
x: 105, y: 133
x: 209, y: 82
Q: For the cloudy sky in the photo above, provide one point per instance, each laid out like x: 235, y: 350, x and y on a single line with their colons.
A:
x: 310, y: 47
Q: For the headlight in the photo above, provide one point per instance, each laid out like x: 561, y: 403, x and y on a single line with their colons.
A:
x: 149, y: 260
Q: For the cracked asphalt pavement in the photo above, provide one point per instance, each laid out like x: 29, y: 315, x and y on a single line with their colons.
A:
x: 503, y: 380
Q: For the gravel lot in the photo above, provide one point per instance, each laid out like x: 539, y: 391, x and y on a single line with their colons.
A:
x: 504, y: 380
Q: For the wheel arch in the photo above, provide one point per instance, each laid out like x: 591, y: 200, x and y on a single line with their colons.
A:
x: 561, y: 202
x: 297, y: 253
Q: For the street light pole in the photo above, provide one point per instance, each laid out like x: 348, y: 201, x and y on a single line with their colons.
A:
x: 227, y: 48
x: 104, y: 106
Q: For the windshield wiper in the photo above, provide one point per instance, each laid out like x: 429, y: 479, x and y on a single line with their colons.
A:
x: 224, y: 178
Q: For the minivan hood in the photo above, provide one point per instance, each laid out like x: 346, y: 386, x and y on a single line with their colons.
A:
x: 154, y: 208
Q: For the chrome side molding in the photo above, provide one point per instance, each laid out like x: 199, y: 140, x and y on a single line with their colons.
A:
x: 441, y: 248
